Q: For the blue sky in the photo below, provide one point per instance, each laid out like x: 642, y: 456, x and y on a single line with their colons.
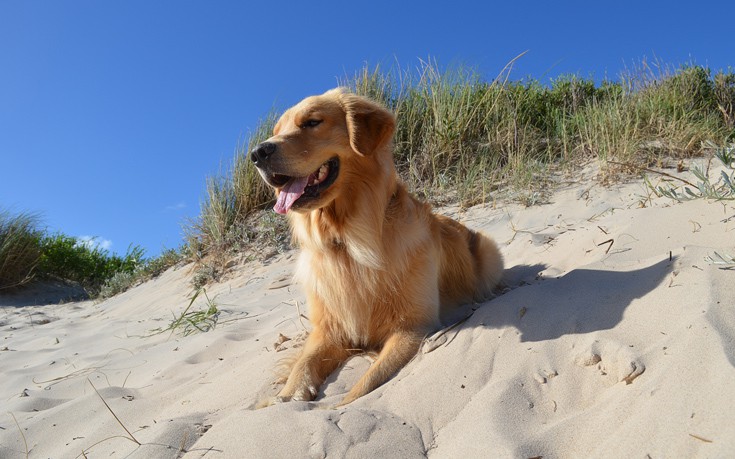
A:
x: 113, y: 113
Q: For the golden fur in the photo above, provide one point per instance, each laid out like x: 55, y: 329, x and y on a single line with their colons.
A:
x: 376, y: 264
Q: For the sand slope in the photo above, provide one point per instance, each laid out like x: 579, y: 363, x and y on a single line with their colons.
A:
x: 614, y: 338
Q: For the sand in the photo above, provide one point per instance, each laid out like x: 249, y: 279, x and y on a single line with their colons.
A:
x: 615, y: 337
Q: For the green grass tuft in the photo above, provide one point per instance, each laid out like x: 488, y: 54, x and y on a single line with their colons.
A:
x: 19, y: 248
x: 194, y: 321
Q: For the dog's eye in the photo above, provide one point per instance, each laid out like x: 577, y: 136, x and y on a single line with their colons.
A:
x: 310, y: 123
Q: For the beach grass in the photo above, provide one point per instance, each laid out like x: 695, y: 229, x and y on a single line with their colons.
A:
x: 19, y: 248
x: 462, y: 139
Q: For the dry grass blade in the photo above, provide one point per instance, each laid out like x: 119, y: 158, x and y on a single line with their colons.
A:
x: 610, y: 242
x: 130, y: 435
x: 25, y: 443
x: 641, y: 168
x: 439, y: 338
x: 298, y: 310
x: 727, y: 260
x: 700, y: 438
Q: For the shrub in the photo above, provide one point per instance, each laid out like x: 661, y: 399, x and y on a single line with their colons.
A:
x: 69, y: 258
x: 131, y: 273
x: 154, y: 267
x: 118, y: 283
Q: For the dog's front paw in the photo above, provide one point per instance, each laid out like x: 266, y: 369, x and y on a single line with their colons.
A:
x: 270, y: 401
x: 349, y: 398
x: 266, y: 402
x: 305, y: 393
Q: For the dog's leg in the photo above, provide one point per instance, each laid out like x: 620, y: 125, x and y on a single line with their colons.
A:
x: 398, y: 350
x: 318, y: 359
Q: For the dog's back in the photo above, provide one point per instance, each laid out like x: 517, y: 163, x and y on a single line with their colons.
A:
x: 471, y: 264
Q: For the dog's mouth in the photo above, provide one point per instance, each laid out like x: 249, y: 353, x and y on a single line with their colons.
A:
x: 295, y: 191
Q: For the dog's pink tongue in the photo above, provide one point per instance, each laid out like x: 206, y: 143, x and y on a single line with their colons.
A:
x: 290, y: 192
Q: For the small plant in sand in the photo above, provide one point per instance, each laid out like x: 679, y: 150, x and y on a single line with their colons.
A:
x: 722, y: 189
x: 193, y: 321
x: 724, y: 261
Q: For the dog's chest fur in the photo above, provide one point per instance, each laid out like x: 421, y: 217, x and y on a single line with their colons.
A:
x: 356, y: 299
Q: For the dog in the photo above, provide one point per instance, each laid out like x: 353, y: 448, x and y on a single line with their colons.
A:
x: 376, y: 263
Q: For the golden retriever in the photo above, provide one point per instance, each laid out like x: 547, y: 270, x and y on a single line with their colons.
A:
x: 376, y: 264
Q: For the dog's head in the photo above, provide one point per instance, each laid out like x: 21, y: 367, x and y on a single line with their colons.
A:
x: 320, y: 142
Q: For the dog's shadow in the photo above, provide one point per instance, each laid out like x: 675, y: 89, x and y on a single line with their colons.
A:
x: 581, y: 301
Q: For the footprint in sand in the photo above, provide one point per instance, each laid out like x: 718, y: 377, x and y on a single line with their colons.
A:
x: 611, y: 359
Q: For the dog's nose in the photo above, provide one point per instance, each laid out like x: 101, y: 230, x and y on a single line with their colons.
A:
x: 262, y: 151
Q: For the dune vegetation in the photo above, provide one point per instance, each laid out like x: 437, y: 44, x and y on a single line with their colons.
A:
x: 463, y: 139
x: 459, y: 139
x: 28, y: 253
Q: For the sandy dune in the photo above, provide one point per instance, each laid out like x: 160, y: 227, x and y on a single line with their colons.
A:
x: 615, y: 337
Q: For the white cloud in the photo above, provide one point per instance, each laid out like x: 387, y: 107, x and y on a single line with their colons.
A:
x: 178, y: 206
x: 94, y: 242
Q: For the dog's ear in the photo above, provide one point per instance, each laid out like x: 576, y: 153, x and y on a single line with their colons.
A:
x: 370, y: 126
